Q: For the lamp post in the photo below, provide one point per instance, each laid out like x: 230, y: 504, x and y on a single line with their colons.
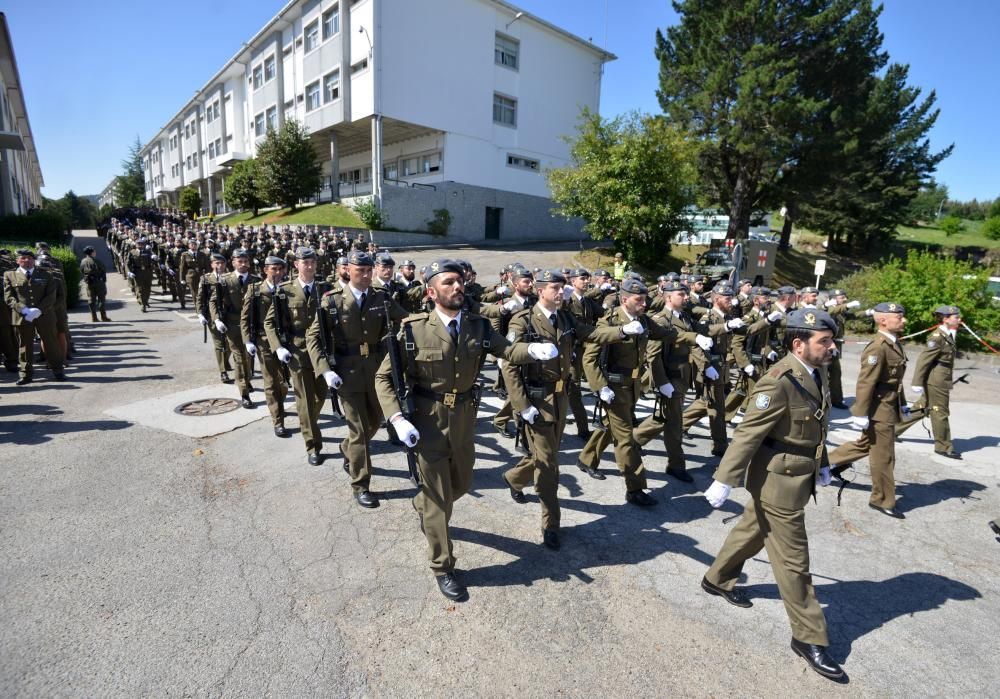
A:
x: 376, y: 124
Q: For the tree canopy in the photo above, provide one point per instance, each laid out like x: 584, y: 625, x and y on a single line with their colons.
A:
x: 130, y: 186
x: 289, y: 169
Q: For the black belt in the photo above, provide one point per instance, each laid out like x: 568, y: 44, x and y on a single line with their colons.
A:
x: 449, y: 399
x: 362, y: 350
x: 544, y: 389
x: 787, y: 448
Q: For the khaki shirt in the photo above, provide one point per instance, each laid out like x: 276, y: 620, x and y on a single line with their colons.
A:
x: 879, y: 393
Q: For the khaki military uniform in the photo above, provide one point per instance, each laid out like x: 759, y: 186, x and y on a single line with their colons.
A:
x: 255, y: 307
x: 192, y: 266
x: 839, y: 314
x: 749, y: 347
x: 879, y: 397
x: 543, y: 386
x: 505, y: 414
x: 38, y: 292
x: 227, y: 305
x: 442, y: 374
x: 587, y: 311
x: 934, y: 373
x: 207, y: 289
x: 96, y: 278
x: 142, y: 266
x: 355, y: 351
x: 711, y: 398
x: 778, y: 450
x: 8, y: 337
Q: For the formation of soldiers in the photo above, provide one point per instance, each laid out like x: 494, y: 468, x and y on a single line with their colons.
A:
x: 328, y: 317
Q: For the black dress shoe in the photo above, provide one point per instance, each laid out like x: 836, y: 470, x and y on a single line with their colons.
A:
x: 840, y: 406
x: 315, y: 459
x: 889, y: 511
x: 225, y: 377
x: 23, y: 381
x: 280, y: 431
x: 366, y: 499
x: 995, y: 528
x: 550, y: 537
x: 502, y: 430
x: 640, y: 498
x: 347, y: 466
x: 10, y: 367
x: 515, y: 495
x: 584, y: 435
x: 590, y: 471
x: 949, y: 455
x: 682, y: 476
x: 60, y: 376
x: 451, y: 588
x: 247, y: 403
x: 817, y: 658
x: 735, y: 596
x: 718, y: 451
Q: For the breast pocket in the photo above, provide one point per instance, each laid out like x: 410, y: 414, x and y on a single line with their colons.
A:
x: 429, y: 363
x: 788, y: 482
x: 804, y: 424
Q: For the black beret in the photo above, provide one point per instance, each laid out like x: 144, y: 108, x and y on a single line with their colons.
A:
x: 663, y: 278
x: 786, y: 290
x: 89, y: 249
x: 745, y: 281
x: 305, y: 253
x: 407, y: 263
x: 218, y: 256
x: 809, y: 290
x: 947, y: 311
x: 837, y: 292
x: 601, y: 273
x: 384, y: 259
x: 550, y: 275
x: 360, y: 258
x: 810, y: 319
x: 578, y: 272
x: 444, y: 265
x: 633, y: 286
x: 886, y: 307
x: 240, y: 252
x: 521, y: 273
x: 342, y: 260
x: 673, y: 277
x: 674, y: 285
x: 723, y: 290
x: 760, y: 291
x: 274, y: 260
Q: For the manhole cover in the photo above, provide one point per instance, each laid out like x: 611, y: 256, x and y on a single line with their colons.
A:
x: 209, y: 406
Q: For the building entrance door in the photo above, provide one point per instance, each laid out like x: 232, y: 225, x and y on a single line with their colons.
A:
x: 493, y: 216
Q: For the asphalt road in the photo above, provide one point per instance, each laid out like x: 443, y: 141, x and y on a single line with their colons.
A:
x: 142, y: 562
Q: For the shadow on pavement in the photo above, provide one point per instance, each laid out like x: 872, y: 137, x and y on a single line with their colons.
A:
x: 30, y: 433
x: 913, y: 496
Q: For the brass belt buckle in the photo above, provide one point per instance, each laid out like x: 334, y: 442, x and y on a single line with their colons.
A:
x: 559, y: 386
x: 635, y: 373
x: 364, y: 349
x: 449, y: 399
x: 818, y: 414
x: 819, y: 451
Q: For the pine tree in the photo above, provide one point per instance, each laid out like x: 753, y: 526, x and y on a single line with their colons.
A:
x: 288, y: 166
x: 130, y: 186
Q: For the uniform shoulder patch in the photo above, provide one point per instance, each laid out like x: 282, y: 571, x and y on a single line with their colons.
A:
x: 763, y: 401
x: 932, y: 344
x: 872, y: 360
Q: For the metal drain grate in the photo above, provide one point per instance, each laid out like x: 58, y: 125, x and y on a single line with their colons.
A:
x: 208, y: 406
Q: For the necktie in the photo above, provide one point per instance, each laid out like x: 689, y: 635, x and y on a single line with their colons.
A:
x: 815, y: 375
x: 243, y: 282
x: 453, y: 330
x: 552, y: 319
x: 308, y: 290
x: 361, y: 301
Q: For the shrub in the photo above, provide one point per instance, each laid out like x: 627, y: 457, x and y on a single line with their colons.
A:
x: 991, y: 228
x: 50, y: 226
x: 373, y: 217
x: 440, y: 223
x: 71, y: 272
x: 951, y: 225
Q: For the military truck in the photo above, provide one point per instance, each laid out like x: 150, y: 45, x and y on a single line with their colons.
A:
x: 755, y: 258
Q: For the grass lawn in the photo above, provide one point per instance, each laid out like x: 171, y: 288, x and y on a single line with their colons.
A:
x: 972, y: 236
x: 319, y: 215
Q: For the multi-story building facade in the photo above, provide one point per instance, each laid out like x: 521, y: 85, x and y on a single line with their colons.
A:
x: 20, y: 172
x: 108, y: 194
x: 455, y: 104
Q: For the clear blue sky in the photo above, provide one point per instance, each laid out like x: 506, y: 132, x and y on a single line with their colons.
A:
x: 96, y: 74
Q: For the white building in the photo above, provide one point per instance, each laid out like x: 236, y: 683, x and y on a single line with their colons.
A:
x: 455, y: 104
x: 107, y: 195
x: 20, y: 173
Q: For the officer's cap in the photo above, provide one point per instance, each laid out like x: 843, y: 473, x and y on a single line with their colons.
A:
x: 947, y: 311
x: 886, y: 307
x: 218, y: 256
x: 384, y: 259
x: 274, y: 260
x: 810, y: 319
x: 89, y: 249
x: 240, y: 252
x: 578, y: 272
x: 550, y: 276
x: 342, y: 260
x: 786, y: 290
x: 809, y: 290
x: 444, y: 265
x: 360, y: 258
x: 723, y: 290
x: 407, y: 263
x: 521, y: 273
x: 305, y: 253
x: 631, y: 285
x: 675, y: 285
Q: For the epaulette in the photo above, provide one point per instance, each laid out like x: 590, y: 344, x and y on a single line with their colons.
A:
x: 329, y: 293
x: 521, y: 312
x: 779, y: 371
x: 415, y: 316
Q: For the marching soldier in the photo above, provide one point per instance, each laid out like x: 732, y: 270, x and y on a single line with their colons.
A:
x: 879, y: 405
x: 537, y: 393
x: 96, y: 278
x: 255, y: 307
x: 227, y: 307
x: 216, y: 327
x: 193, y: 264
x: 30, y: 294
x: 932, y: 381
x: 140, y: 269
x: 444, y: 353
x: 587, y: 311
x: 613, y: 373
x: 292, y: 311
x: 8, y: 339
x: 346, y: 340
x: 748, y: 349
x: 784, y: 301
x: 838, y: 307
x: 779, y: 452
x: 522, y: 283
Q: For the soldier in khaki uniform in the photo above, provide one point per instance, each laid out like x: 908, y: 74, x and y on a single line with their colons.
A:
x: 613, y: 373
x: 293, y: 309
x: 932, y: 381
x: 354, y: 321
x: 839, y: 308
x: 141, y: 266
x: 8, y: 339
x: 751, y: 350
x: 522, y: 281
x: 779, y: 452
x: 227, y: 307
x: 670, y: 367
x: 538, y: 392
x: 193, y: 263
x: 96, y: 278
x: 879, y: 405
x: 216, y: 327
x: 586, y: 310
x: 30, y: 296
x: 255, y: 306
x: 443, y: 352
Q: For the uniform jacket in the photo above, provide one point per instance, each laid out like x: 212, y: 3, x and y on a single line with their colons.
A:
x: 670, y: 360
x: 294, y: 312
x: 879, y: 394
x: 228, y: 305
x: 39, y: 293
x: 255, y: 306
x: 625, y: 359
x: 936, y: 362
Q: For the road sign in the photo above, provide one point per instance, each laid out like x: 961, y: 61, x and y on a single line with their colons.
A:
x: 820, y: 268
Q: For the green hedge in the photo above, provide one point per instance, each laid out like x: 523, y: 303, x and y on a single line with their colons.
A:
x: 922, y: 282
x: 38, y: 225
x: 71, y: 270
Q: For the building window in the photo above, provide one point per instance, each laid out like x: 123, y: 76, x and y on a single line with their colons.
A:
x: 331, y: 86
x: 408, y: 166
x: 215, y: 108
x: 520, y: 161
x: 359, y: 66
x: 259, y: 127
x: 258, y: 77
x: 430, y: 163
x: 211, y: 151
x: 270, y: 68
x: 187, y: 131
x: 312, y: 96
x: 312, y: 35
x: 271, y: 117
x: 188, y: 162
x: 218, y: 146
x: 504, y: 110
x: 208, y: 114
x: 331, y: 22
x: 194, y: 159
x: 390, y: 171
x: 506, y: 51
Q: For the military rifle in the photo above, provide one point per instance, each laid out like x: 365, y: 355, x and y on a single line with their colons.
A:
x: 278, y: 299
x: 404, y: 395
x: 331, y: 358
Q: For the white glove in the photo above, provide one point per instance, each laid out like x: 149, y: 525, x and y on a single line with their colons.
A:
x: 567, y: 293
x: 774, y: 316
x: 607, y: 286
x: 734, y: 324
x: 503, y: 290
x: 905, y: 410
x: 35, y: 314
x: 510, y: 305
x: 283, y: 355
x: 251, y: 349
x: 825, y: 476
x: 529, y: 415
x: 607, y: 395
x: 131, y: 275
x: 667, y: 389
x: 711, y: 374
x: 633, y: 328
x: 543, y: 351
x: 220, y: 326
x: 705, y: 342
x: 332, y: 379
x: 406, y: 432
x: 171, y: 273
x: 749, y: 370
x: 860, y: 423
x: 830, y: 303
x: 917, y: 389
x: 870, y: 312
x: 717, y: 494
x: 854, y: 304
x: 772, y: 356
x: 203, y: 319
